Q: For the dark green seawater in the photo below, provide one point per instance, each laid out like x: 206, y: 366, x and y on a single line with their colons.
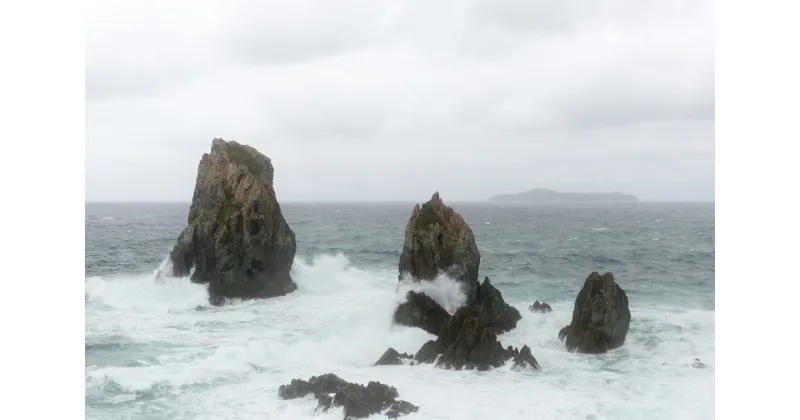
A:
x: 151, y: 355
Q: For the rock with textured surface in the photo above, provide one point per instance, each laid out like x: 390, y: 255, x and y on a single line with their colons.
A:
x: 601, y: 317
x: 236, y: 240
x: 358, y: 401
x: 495, y: 312
x: 420, y: 310
x: 438, y: 240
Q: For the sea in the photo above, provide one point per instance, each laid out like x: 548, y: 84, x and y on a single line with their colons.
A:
x: 155, y: 349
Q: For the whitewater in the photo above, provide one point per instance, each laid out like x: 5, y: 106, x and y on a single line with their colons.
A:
x: 155, y: 349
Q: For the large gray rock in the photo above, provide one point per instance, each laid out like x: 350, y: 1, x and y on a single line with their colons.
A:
x: 438, y: 240
x: 601, y: 317
x: 236, y: 240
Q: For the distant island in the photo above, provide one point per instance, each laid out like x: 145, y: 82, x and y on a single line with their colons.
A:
x: 542, y: 195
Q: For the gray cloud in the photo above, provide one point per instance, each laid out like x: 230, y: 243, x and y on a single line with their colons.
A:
x: 382, y: 100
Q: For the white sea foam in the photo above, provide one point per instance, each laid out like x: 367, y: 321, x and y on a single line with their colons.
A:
x: 228, y: 362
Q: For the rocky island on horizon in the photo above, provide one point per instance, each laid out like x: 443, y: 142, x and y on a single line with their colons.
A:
x: 548, y: 196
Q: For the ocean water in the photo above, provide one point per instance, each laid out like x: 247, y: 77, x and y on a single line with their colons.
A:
x: 150, y: 354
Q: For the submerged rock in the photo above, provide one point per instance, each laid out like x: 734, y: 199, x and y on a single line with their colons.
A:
x: 438, y: 240
x: 392, y: 357
x: 601, y: 317
x: 359, y: 401
x: 540, y: 307
x: 236, y: 239
x: 420, y: 310
x: 495, y: 312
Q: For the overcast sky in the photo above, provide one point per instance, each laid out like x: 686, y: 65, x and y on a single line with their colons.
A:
x: 390, y: 100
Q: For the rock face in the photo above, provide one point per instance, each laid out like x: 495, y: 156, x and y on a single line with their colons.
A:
x: 236, y: 240
x: 495, y: 312
x: 392, y: 357
x: 420, y: 310
x: 540, y: 307
x: 358, y: 401
x: 437, y: 240
x: 601, y: 317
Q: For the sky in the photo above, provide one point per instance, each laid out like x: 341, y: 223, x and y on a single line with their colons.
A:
x: 373, y: 100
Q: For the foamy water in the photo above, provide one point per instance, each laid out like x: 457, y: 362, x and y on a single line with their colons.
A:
x: 152, y: 354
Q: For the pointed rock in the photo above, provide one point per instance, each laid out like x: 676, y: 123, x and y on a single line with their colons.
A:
x: 392, y: 357
x: 438, y: 240
x: 236, y: 239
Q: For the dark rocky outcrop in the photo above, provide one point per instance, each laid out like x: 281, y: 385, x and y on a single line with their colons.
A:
x: 540, y: 307
x: 601, y: 317
x: 495, y: 312
x: 359, y: 401
x: 392, y: 357
x: 428, y: 352
x: 420, y: 310
x: 698, y: 364
x: 524, y: 359
x: 236, y: 239
x: 438, y: 240
x: 467, y: 343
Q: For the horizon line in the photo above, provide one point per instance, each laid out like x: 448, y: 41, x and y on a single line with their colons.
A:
x: 401, y: 202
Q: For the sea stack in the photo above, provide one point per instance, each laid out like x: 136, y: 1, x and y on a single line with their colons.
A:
x: 438, y: 240
x: 601, y: 317
x: 236, y: 239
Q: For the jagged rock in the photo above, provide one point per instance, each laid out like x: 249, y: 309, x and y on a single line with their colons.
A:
x: 428, y: 352
x: 698, y: 364
x: 450, y: 331
x: 524, y: 359
x: 601, y: 317
x: 495, y: 312
x: 466, y: 343
x: 392, y: 357
x: 420, y: 310
x: 401, y: 408
x: 438, y: 240
x: 359, y: 401
x: 236, y: 239
x: 540, y: 307
x: 323, y: 384
x: 475, y: 347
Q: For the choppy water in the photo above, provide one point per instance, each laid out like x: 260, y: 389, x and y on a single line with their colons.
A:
x: 151, y: 355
